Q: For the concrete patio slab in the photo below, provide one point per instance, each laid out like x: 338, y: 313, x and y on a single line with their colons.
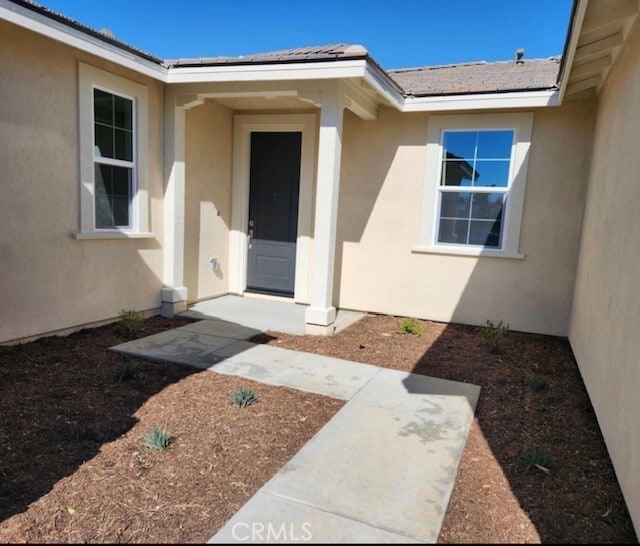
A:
x: 303, y: 371
x: 381, y: 470
x: 270, y: 519
x: 220, y: 328
x: 179, y: 347
x: 392, y: 470
x: 263, y: 314
x: 420, y: 394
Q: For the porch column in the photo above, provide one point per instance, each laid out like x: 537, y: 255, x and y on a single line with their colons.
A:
x: 174, y: 293
x: 321, y: 314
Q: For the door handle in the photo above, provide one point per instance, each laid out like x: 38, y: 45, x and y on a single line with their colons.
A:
x: 250, y: 234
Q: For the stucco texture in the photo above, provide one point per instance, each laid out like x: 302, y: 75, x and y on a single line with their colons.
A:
x: 208, y: 141
x: 606, y: 312
x: 382, y: 178
x: 49, y: 280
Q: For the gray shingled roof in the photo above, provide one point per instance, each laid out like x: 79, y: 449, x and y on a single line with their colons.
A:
x: 301, y: 54
x: 481, y: 77
x: 455, y: 79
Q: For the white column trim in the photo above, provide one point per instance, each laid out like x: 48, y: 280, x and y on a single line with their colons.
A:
x: 244, y: 125
x: 174, y: 290
x: 322, y: 312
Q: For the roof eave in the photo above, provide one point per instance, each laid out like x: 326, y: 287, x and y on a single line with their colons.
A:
x: 578, y: 11
x: 482, y: 101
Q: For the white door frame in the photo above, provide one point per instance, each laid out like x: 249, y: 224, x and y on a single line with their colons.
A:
x: 244, y: 125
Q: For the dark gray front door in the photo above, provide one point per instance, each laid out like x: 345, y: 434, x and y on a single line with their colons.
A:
x: 273, y: 212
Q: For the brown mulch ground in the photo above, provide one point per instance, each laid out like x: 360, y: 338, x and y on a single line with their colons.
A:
x: 72, y: 421
x: 574, y: 498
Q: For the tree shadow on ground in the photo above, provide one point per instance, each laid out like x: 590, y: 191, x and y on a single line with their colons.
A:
x: 62, y: 398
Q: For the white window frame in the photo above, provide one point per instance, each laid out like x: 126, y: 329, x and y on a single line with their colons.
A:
x: 521, y: 124
x: 90, y: 78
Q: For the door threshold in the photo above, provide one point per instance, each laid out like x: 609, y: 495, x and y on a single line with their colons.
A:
x: 270, y: 297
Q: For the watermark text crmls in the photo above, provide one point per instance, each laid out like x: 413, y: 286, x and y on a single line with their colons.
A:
x: 268, y: 531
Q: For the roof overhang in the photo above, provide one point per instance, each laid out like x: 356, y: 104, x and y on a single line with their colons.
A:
x: 79, y: 39
x: 597, y: 33
x: 365, y: 69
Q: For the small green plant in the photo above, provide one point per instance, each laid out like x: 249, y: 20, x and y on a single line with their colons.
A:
x: 158, y: 439
x: 131, y: 320
x: 536, y: 458
x: 127, y: 372
x: 538, y: 384
x: 494, y: 334
x: 410, y: 326
x: 244, y: 397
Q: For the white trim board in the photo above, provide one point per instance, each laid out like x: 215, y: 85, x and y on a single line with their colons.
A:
x: 36, y: 22
x: 244, y: 125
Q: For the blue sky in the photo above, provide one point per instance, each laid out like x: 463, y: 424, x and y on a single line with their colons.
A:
x: 397, y: 34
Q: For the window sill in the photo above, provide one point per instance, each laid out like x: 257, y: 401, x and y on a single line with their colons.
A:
x: 112, y: 235
x: 469, y: 252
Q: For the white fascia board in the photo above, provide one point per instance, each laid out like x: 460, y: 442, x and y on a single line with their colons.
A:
x: 576, y: 26
x: 485, y: 101
x: 56, y: 30
x: 268, y: 72
x: 382, y: 85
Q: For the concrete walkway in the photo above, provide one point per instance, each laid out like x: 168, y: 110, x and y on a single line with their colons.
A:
x: 381, y: 470
x: 263, y: 314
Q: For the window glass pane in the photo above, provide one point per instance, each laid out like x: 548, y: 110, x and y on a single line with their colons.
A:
x: 123, y: 141
x: 123, y: 112
x: 120, y: 207
x: 103, y: 106
x: 460, y: 144
x: 494, y: 144
x: 112, y: 195
x: 485, y: 233
x: 104, y: 141
x: 455, y: 205
x: 494, y: 174
x: 453, y: 231
x: 456, y: 173
x: 487, y: 206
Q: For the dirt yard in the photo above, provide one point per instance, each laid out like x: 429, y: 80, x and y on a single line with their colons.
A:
x: 533, y: 409
x: 73, y: 418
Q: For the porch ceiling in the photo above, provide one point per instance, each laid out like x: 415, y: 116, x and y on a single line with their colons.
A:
x: 605, y: 27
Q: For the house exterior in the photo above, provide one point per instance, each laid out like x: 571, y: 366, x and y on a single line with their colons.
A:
x: 454, y: 193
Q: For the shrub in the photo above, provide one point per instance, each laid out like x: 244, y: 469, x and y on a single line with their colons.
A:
x: 410, y: 326
x: 536, y: 458
x: 494, y: 334
x: 127, y: 372
x: 538, y: 384
x: 158, y: 439
x: 244, y: 397
x: 131, y: 320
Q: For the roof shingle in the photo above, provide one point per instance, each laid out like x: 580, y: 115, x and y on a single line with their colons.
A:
x: 480, y: 77
x: 301, y: 54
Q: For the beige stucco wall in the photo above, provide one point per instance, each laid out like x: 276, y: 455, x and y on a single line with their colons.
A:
x: 209, y: 135
x: 49, y: 281
x: 606, y: 312
x: 383, y: 173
